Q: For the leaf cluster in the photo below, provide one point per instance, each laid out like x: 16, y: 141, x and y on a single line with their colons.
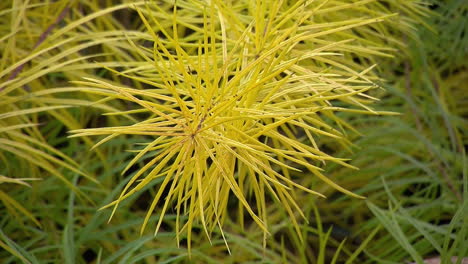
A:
x: 219, y: 119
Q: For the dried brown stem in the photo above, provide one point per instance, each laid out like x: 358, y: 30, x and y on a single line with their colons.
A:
x: 41, y: 39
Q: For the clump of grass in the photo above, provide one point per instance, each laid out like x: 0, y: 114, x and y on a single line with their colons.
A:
x: 224, y: 110
x: 416, y: 193
x: 243, y: 104
x: 25, y: 154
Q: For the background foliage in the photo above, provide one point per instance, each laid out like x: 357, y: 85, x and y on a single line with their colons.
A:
x: 412, y: 166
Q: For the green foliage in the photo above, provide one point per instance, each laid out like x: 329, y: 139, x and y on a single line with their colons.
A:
x: 226, y: 113
x: 217, y: 120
